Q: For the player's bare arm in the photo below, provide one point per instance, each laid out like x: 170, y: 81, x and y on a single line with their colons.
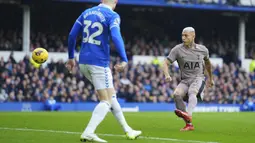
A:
x: 208, y: 67
x: 166, y: 65
x: 167, y: 62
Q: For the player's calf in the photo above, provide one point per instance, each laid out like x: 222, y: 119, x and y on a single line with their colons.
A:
x: 180, y: 105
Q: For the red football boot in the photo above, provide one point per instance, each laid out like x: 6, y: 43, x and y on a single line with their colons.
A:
x: 188, y: 127
x: 184, y: 115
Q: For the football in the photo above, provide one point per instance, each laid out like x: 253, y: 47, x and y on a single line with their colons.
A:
x: 40, y: 55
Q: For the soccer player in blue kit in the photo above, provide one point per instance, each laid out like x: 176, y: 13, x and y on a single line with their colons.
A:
x: 98, y: 25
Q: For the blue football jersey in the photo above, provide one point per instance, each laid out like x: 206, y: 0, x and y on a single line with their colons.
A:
x: 96, y: 24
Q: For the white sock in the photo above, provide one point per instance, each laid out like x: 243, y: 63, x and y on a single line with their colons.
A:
x: 117, y: 112
x: 192, y: 104
x: 98, y: 115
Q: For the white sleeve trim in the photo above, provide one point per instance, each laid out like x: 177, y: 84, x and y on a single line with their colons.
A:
x: 79, y: 22
x: 114, y: 26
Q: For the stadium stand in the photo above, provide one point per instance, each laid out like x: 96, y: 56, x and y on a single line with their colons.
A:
x: 139, y: 83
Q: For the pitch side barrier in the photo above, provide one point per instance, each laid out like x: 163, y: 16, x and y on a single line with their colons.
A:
x: 126, y: 107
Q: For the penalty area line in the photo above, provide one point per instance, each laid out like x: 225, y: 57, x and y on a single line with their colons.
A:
x: 109, y: 135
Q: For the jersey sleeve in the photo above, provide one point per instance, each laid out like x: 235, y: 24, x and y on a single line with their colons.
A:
x: 79, y: 20
x: 172, y: 57
x: 115, y: 21
x: 206, y: 54
x: 72, y: 36
x: 117, y: 38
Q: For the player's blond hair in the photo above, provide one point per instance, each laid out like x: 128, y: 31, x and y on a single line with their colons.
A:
x: 188, y: 29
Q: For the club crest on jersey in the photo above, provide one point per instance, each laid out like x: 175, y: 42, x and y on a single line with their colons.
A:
x: 198, y: 57
x: 191, y: 65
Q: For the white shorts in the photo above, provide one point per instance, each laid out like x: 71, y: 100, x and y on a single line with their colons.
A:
x: 100, y: 77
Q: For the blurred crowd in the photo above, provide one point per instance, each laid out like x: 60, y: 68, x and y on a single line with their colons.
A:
x: 20, y: 81
x: 144, y: 35
x: 10, y: 40
x: 138, y: 45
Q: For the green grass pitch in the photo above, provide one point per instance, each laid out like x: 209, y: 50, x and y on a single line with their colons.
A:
x: 157, y: 127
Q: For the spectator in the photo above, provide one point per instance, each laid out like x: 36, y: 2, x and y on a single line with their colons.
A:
x: 252, y: 65
x: 3, y: 95
x: 139, y: 83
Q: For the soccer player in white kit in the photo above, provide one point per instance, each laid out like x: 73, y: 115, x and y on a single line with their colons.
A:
x: 98, y: 25
x: 192, y: 58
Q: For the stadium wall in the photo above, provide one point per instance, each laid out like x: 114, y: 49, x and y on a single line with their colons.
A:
x: 126, y: 107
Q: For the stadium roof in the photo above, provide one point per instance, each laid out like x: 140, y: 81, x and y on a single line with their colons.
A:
x: 163, y: 3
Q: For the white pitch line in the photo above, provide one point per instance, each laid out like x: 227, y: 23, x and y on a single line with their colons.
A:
x: 110, y: 135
